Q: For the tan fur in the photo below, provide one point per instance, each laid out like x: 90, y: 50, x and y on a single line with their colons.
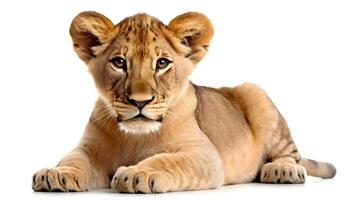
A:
x: 189, y: 137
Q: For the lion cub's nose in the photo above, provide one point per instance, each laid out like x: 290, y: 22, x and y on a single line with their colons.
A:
x: 139, y: 104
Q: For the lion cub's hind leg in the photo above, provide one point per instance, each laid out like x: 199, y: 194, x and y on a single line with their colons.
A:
x: 284, y: 155
x: 272, y: 134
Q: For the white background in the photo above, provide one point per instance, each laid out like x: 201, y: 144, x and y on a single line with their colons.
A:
x: 302, y: 52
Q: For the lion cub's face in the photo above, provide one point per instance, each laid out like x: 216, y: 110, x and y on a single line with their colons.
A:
x: 141, y: 66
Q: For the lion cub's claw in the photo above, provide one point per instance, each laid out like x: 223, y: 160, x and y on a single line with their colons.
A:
x: 61, y: 179
x: 282, y: 173
x: 134, y: 180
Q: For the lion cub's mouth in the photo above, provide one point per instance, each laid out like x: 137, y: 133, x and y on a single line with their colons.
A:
x: 139, y: 117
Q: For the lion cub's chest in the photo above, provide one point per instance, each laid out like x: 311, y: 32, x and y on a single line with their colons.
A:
x: 134, y: 149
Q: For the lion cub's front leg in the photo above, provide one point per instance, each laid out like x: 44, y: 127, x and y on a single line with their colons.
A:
x: 70, y: 175
x: 73, y: 173
x: 170, y: 172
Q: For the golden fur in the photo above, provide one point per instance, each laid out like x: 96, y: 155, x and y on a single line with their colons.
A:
x: 152, y: 130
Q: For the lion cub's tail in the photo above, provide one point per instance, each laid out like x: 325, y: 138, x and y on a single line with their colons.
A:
x: 318, y: 169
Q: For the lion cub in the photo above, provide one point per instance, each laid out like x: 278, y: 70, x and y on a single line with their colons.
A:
x: 152, y: 130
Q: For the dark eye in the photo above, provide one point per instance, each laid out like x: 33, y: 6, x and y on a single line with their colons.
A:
x: 162, y: 63
x: 118, y: 62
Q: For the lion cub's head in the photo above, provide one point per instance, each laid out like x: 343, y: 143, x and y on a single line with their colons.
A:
x: 140, y: 65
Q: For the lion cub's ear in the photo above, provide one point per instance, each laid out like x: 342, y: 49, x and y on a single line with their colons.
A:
x: 195, y: 31
x: 91, y: 32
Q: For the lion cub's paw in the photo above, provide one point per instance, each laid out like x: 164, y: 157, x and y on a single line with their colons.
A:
x: 282, y: 173
x: 134, y: 180
x: 59, y: 179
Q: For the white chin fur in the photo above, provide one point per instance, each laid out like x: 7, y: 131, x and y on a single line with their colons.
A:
x: 140, y: 127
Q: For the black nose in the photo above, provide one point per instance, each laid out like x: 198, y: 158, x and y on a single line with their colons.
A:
x: 139, y: 104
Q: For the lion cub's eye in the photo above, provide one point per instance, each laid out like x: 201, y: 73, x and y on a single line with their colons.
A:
x: 162, y: 63
x: 118, y: 62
